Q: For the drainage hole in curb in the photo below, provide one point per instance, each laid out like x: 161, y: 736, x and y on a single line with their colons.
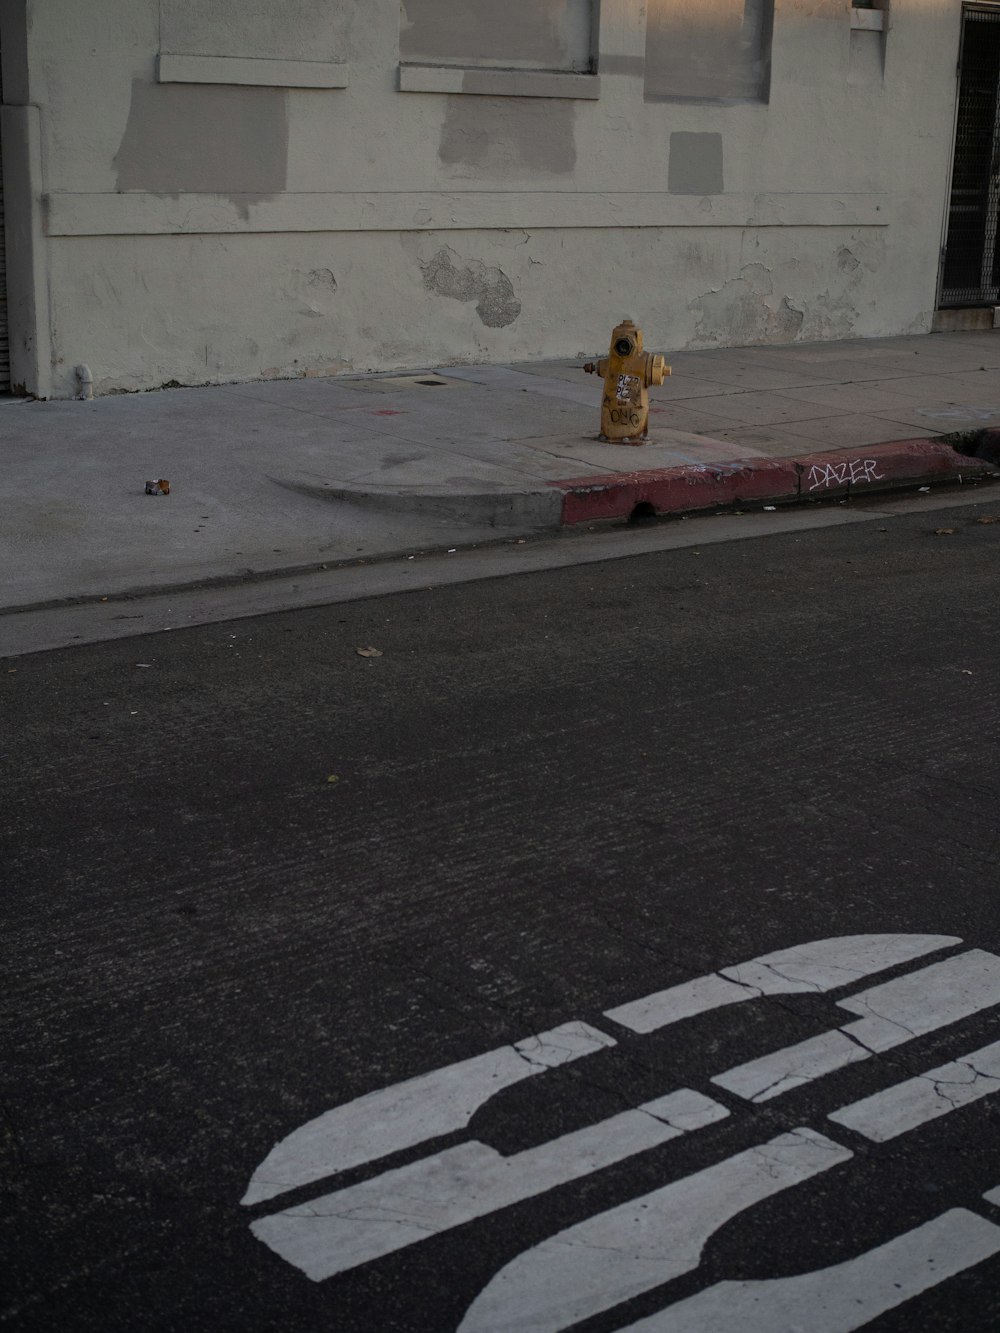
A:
x: 644, y: 512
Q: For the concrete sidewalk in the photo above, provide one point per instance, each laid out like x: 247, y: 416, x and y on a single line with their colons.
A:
x: 287, y: 475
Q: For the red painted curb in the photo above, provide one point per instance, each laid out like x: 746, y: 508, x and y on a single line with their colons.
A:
x: 680, y: 490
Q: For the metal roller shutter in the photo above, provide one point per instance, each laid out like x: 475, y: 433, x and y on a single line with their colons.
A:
x: 4, y: 340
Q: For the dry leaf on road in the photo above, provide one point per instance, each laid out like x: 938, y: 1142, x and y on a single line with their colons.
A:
x: 944, y: 532
x: 368, y: 652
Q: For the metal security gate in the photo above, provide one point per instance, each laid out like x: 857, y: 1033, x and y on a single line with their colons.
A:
x: 4, y: 338
x: 971, y: 269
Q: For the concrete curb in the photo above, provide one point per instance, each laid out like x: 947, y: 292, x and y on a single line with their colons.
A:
x: 499, y: 507
x: 822, y: 475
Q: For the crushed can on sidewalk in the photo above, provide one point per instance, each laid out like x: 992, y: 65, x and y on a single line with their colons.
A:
x: 159, y: 487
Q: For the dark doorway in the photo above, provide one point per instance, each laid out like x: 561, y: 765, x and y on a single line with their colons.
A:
x: 971, y: 270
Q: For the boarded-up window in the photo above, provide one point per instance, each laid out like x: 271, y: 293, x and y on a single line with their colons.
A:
x: 292, y: 30
x: 708, y: 50
x: 518, y: 34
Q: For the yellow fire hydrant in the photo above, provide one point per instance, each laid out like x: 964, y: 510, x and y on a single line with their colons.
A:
x: 627, y: 372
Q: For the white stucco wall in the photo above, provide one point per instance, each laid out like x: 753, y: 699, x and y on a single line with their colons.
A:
x: 204, y: 232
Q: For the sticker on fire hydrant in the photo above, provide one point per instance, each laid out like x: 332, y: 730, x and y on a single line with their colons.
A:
x: 627, y: 371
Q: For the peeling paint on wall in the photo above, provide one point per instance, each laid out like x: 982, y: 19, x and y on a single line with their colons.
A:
x: 780, y: 303
x: 315, y: 291
x: 509, y: 136
x: 695, y: 164
x: 540, y: 34
x: 715, y: 50
x: 847, y: 260
x: 745, y: 310
x: 213, y: 140
x: 490, y: 288
x: 834, y: 312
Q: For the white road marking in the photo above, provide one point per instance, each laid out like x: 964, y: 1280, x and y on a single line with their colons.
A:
x: 398, y: 1208
x: 686, y: 1110
x: 683, y: 1001
x: 412, y: 1112
x: 895, y: 1012
x: 641, y: 1244
x: 771, y: 1075
x: 921, y: 1002
x: 821, y: 966
x: 595, y: 1265
x: 445, y: 1100
x: 841, y: 1298
x: 908, y: 1105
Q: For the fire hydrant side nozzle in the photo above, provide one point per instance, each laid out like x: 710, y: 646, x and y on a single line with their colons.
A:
x: 627, y: 372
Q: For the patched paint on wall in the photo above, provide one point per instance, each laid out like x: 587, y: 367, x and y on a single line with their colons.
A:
x: 715, y: 50
x: 471, y: 280
x: 535, y: 34
x: 191, y: 139
x: 850, y: 237
x: 695, y: 163
x: 613, y: 63
x: 291, y: 30
x: 509, y: 136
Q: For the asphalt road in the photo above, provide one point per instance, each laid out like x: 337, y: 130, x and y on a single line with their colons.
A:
x: 555, y: 795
